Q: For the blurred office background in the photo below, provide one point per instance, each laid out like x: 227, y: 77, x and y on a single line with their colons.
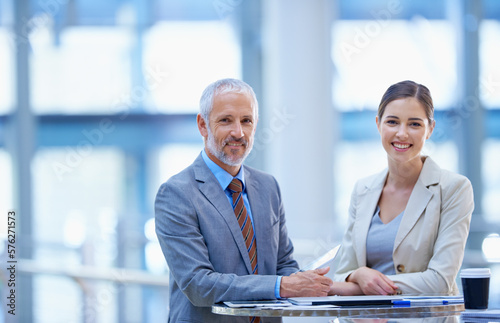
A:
x: 98, y: 103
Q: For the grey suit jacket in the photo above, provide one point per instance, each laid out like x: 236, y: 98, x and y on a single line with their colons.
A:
x: 429, y: 245
x: 204, y: 248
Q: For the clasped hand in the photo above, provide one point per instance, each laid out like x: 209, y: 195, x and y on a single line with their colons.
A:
x: 311, y: 283
x: 372, y: 282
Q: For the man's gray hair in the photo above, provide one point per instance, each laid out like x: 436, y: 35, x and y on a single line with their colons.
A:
x: 227, y: 85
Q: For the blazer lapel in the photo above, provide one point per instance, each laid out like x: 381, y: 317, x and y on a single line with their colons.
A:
x: 368, y: 201
x: 256, y: 203
x: 210, y: 188
x: 419, y: 199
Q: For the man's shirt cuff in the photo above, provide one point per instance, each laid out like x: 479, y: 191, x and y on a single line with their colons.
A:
x: 277, y: 287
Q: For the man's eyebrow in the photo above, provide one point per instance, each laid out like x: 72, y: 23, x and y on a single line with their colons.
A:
x: 224, y: 116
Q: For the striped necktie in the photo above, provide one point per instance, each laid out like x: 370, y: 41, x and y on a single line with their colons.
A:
x: 246, y: 227
x: 244, y: 221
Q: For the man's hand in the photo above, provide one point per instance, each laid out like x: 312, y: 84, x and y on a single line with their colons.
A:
x: 372, y: 282
x: 307, y: 283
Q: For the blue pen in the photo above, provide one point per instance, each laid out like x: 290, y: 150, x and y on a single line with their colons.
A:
x: 420, y: 302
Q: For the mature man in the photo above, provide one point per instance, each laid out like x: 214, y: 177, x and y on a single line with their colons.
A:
x: 221, y: 225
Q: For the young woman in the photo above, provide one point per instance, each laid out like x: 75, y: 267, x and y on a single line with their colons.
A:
x: 408, y: 225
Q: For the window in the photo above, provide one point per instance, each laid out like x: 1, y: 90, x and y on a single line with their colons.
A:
x: 7, y: 80
x: 186, y: 57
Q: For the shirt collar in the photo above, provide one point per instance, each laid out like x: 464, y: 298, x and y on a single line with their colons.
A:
x: 223, y: 177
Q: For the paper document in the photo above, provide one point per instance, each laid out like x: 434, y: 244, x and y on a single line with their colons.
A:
x: 398, y: 300
x: 346, y: 300
x: 447, y: 297
x: 263, y: 303
x: 323, y: 260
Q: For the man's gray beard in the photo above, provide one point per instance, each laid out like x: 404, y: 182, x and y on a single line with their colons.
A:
x: 221, y: 155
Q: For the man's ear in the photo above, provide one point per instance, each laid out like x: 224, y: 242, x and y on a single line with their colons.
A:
x: 202, y: 126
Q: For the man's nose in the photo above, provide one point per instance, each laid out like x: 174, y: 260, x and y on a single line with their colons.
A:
x: 237, y: 130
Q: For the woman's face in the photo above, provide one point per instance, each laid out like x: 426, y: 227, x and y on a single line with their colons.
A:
x: 404, y: 128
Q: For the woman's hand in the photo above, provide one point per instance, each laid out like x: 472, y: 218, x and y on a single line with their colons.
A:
x: 372, y: 282
x: 345, y: 289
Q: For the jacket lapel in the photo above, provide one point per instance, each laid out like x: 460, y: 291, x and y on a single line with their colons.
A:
x: 211, y: 189
x: 368, y: 201
x: 256, y: 203
x: 419, y: 199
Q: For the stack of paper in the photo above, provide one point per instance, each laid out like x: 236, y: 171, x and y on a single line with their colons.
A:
x: 481, y: 315
x: 262, y: 304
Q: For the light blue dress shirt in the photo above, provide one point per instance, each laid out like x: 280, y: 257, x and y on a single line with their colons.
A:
x: 224, y: 179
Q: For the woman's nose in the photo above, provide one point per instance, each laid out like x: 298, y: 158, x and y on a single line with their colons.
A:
x: 402, y: 132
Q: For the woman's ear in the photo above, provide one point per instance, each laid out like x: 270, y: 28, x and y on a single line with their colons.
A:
x: 431, y: 129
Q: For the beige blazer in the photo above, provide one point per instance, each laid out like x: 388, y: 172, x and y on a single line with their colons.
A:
x: 429, y: 245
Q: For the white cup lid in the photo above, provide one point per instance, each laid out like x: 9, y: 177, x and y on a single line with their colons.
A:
x: 475, y: 273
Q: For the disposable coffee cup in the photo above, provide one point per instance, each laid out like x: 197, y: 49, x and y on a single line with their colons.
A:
x: 476, y: 287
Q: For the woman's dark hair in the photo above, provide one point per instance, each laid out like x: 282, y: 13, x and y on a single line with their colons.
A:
x: 408, y: 89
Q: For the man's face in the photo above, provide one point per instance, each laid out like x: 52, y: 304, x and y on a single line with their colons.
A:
x: 229, y: 138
